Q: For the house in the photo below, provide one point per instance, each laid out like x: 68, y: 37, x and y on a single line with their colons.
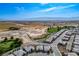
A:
x: 65, y: 39
x: 39, y: 47
x: 47, y: 48
x: 19, y: 53
x: 11, y: 55
x: 28, y: 48
x: 72, y: 54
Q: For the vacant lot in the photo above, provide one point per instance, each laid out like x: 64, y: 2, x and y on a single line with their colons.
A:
x: 6, y: 25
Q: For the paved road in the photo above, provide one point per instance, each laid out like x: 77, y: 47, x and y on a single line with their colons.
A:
x: 55, y: 43
x: 55, y: 36
x: 69, y: 43
x: 41, y: 54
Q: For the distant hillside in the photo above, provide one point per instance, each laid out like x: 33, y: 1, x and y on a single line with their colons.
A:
x: 55, y: 19
x: 6, y: 25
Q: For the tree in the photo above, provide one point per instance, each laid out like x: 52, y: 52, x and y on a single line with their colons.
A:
x: 14, y: 28
x: 50, y: 50
x: 17, y: 39
x: 5, y: 39
x: 48, y: 29
x: 35, y: 47
x: 11, y: 37
x: 65, y: 27
x: 58, y: 28
x: 43, y: 49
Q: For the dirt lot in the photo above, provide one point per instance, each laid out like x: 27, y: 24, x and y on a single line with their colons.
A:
x: 5, y: 25
x: 34, y: 30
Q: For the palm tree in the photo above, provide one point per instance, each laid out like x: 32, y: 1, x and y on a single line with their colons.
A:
x: 51, y: 50
x: 43, y: 49
x: 35, y: 47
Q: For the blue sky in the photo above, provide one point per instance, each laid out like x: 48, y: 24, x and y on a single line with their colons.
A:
x: 34, y: 10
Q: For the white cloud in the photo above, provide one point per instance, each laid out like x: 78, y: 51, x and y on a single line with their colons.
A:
x: 56, y: 8
x: 49, y: 9
x: 43, y: 3
x: 67, y: 6
x: 20, y: 8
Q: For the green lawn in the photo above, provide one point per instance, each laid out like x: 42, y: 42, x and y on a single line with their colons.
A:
x: 52, y: 30
x: 8, y: 45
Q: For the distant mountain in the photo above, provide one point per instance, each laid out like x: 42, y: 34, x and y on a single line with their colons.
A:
x: 55, y: 19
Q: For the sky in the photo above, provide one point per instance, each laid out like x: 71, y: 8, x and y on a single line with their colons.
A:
x: 34, y: 10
